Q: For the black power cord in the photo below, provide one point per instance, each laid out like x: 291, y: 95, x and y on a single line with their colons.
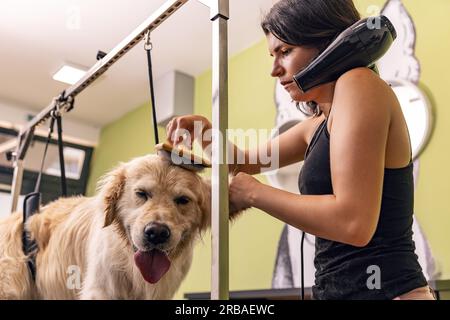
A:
x: 302, y: 266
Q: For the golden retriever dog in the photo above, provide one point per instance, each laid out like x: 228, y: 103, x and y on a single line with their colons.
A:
x: 133, y: 240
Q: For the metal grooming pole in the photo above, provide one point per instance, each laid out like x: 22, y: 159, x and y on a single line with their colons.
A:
x: 219, y: 179
x: 219, y: 16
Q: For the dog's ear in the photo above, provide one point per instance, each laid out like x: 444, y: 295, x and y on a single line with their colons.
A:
x: 111, y: 187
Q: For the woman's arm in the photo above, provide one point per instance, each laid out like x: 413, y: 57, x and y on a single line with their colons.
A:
x: 285, y: 149
x: 359, y: 131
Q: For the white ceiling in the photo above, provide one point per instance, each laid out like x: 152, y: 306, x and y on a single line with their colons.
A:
x: 37, y: 37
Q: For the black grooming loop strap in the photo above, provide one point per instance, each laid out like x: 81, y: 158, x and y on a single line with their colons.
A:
x: 149, y: 47
x: 31, y: 205
x: 32, y: 201
x: 68, y: 103
x: 57, y: 116
x: 49, y: 137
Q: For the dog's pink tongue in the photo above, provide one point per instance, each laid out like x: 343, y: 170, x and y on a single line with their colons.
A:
x: 153, y: 265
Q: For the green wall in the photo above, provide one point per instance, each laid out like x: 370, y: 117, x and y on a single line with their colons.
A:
x: 122, y: 140
x: 254, y: 237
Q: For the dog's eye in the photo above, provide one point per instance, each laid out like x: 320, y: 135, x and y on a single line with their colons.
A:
x: 142, y: 195
x: 182, y: 200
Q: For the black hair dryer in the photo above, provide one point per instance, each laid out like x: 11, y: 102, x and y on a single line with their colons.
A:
x: 360, y: 45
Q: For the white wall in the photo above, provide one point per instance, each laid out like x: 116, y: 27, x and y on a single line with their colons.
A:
x: 5, y: 204
x: 14, y: 116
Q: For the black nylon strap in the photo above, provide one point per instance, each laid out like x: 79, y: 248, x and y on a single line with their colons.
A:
x: 49, y: 137
x: 32, y: 200
x: 152, y: 93
x: 61, y: 156
x: 31, y: 205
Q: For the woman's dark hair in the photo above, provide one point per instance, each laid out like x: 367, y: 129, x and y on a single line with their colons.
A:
x: 310, y: 23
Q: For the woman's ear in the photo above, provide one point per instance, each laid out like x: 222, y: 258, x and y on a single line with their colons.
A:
x: 111, y: 188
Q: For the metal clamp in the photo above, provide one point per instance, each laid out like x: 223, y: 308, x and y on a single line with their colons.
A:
x: 148, y: 42
x: 63, y: 102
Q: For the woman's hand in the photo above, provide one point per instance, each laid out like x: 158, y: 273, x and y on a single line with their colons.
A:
x: 186, y: 129
x: 242, y: 189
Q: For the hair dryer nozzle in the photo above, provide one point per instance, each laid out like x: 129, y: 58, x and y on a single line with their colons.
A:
x: 360, y: 45
x: 390, y: 26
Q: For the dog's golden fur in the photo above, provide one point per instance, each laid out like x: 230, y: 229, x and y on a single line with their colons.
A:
x: 98, y: 236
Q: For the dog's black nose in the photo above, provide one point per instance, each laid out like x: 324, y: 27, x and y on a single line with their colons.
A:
x: 157, y: 233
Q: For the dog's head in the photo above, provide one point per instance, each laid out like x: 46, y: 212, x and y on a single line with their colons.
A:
x: 158, y: 208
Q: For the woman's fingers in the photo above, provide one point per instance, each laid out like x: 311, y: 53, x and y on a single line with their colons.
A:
x: 169, y: 131
x: 176, y: 129
x: 182, y: 130
x: 185, y: 128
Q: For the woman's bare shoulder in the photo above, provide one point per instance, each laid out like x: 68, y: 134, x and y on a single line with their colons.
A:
x: 359, y: 79
x: 362, y: 86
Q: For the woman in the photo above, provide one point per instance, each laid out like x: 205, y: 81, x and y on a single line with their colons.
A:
x: 356, y: 183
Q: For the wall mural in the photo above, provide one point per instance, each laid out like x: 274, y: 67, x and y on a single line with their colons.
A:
x: 401, y: 69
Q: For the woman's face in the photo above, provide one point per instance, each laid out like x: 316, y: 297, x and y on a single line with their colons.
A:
x: 288, y: 61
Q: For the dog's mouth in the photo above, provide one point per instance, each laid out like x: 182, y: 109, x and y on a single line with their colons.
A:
x: 152, y: 264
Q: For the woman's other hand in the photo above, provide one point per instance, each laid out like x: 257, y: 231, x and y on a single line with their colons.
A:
x: 242, y: 190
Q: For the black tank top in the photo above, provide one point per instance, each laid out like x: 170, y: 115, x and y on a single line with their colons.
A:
x: 347, y: 272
